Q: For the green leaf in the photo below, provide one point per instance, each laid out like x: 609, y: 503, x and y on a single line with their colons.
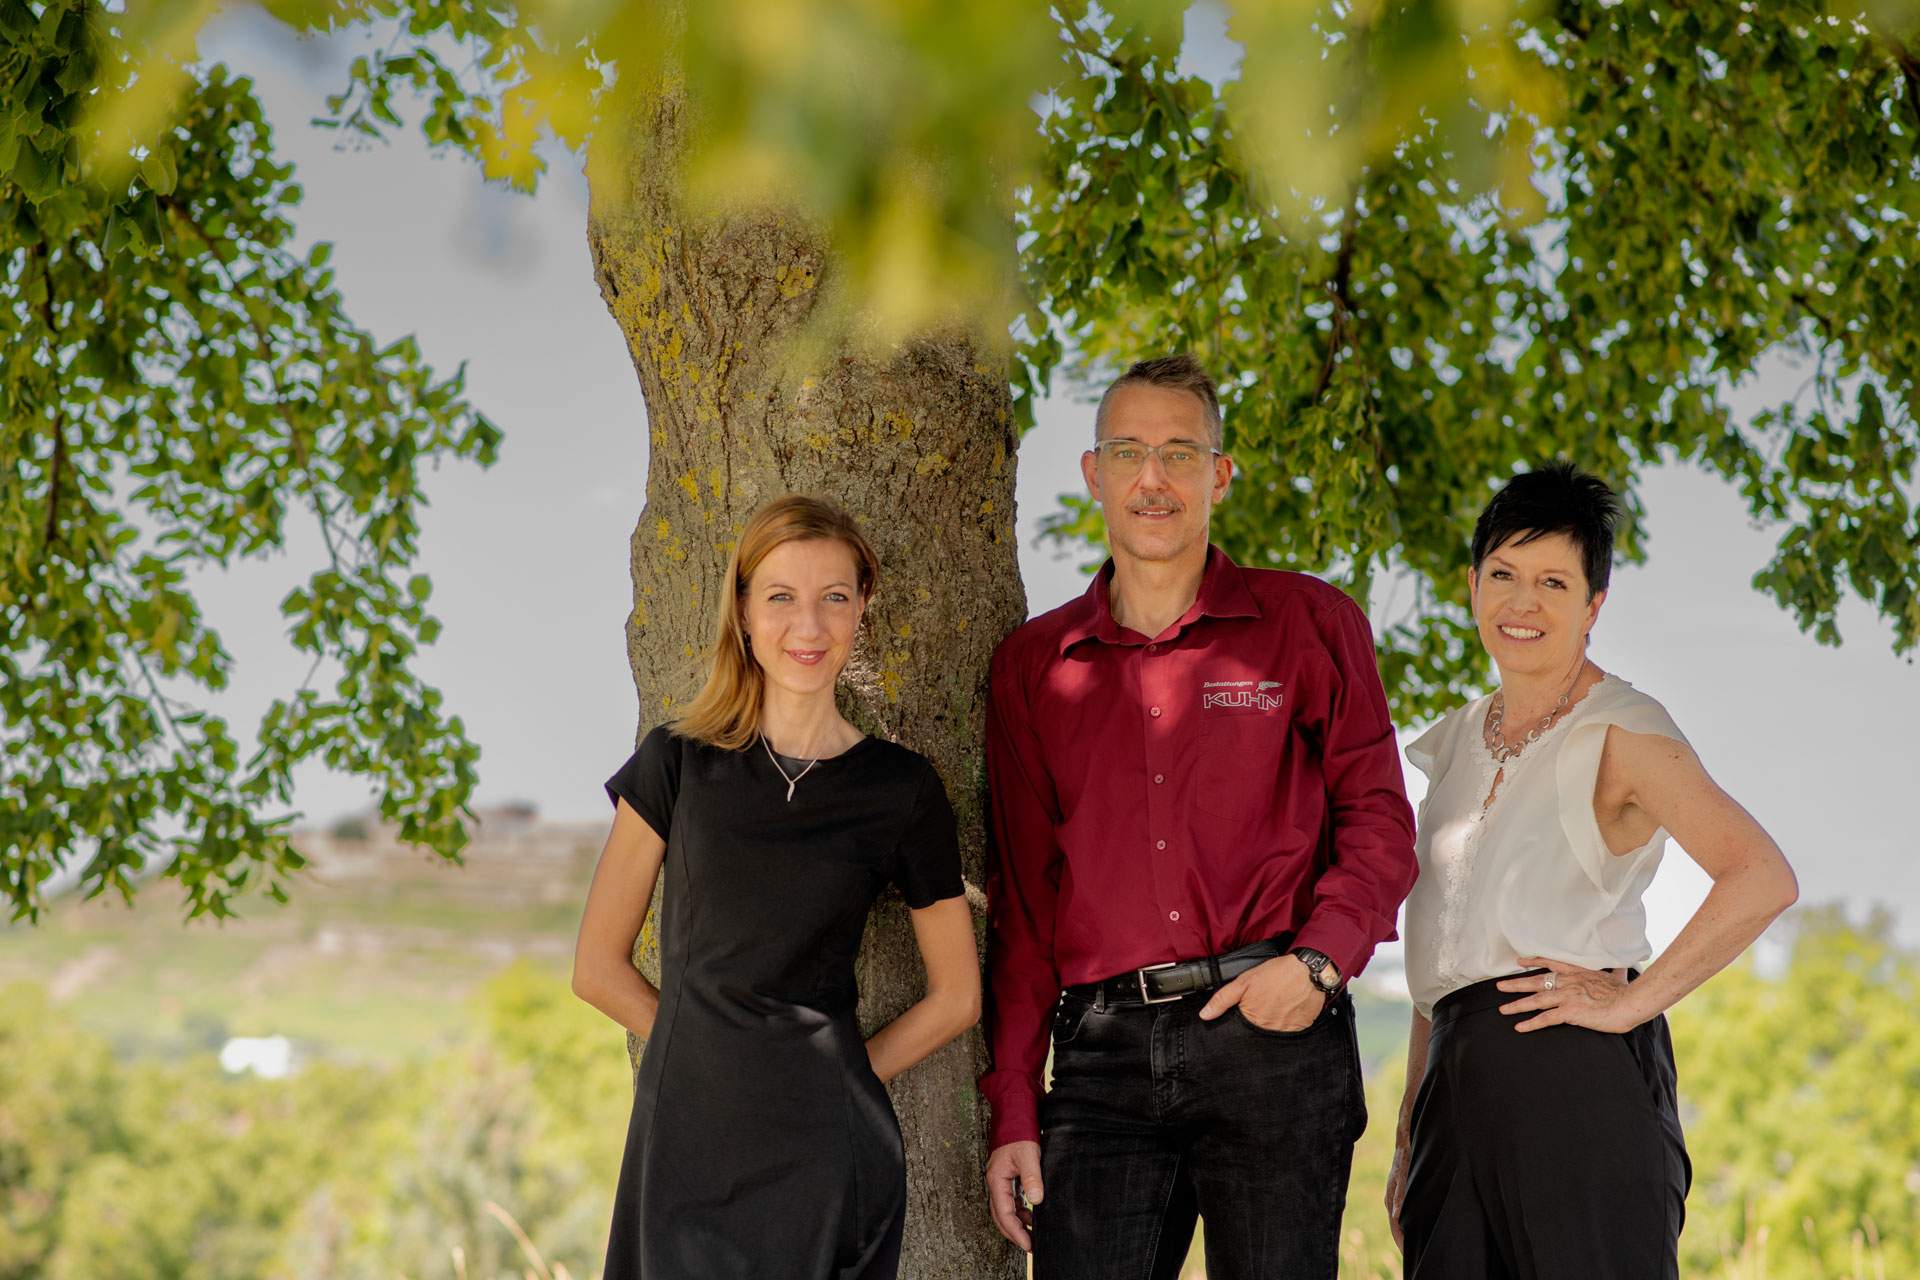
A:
x: 160, y: 170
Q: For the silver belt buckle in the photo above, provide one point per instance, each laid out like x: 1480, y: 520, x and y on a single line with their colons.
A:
x: 1140, y: 976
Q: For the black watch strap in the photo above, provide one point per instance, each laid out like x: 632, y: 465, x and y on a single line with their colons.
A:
x: 1317, y: 962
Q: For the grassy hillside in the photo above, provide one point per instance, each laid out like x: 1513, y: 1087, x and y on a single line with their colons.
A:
x: 359, y: 967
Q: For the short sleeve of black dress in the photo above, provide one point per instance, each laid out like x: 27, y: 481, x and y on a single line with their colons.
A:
x: 926, y: 865
x: 649, y: 780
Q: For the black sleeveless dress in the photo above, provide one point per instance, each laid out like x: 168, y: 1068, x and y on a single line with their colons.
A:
x: 762, y: 1145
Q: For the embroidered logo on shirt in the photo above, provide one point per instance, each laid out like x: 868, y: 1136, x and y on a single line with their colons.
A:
x: 1241, y: 693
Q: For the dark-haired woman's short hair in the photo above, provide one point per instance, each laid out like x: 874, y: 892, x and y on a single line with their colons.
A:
x: 1559, y: 498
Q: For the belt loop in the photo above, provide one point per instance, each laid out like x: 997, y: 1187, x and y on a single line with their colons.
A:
x: 1100, y: 998
x: 1213, y: 969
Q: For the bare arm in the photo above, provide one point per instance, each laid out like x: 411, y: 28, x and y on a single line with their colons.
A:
x: 944, y: 932
x: 603, y: 972
x: 1417, y: 1037
x: 1752, y: 884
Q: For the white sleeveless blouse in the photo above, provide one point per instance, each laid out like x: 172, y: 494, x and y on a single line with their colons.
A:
x: 1531, y: 875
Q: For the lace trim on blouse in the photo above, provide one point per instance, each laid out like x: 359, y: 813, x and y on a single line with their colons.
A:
x: 1457, y: 872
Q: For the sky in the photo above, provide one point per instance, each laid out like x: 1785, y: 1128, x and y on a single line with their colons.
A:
x: 530, y: 570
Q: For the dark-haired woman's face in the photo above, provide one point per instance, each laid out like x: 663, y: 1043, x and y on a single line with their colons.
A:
x: 802, y: 608
x: 1530, y: 604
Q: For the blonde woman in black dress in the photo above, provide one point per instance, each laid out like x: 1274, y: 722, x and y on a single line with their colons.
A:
x: 763, y: 1142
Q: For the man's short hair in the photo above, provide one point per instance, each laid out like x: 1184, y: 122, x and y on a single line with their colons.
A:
x: 1559, y: 498
x: 1182, y: 373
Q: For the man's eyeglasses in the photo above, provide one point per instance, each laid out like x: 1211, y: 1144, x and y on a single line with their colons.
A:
x: 1180, y: 459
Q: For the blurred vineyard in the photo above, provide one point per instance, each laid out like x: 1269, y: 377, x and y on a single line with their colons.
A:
x: 489, y: 1151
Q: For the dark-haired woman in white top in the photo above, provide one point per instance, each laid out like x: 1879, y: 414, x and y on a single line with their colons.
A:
x: 1540, y: 1138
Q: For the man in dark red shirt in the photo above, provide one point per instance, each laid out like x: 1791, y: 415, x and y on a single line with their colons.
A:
x: 1197, y: 811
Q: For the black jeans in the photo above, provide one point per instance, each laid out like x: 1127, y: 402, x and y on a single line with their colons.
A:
x: 1155, y: 1117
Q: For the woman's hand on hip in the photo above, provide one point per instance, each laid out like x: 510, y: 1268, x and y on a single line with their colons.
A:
x: 1597, y: 999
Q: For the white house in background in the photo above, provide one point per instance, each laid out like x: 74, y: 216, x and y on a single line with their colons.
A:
x: 269, y: 1056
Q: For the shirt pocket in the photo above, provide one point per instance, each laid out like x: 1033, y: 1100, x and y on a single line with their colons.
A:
x: 1237, y: 766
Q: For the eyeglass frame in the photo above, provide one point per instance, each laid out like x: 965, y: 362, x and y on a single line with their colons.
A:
x: 1153, y: 450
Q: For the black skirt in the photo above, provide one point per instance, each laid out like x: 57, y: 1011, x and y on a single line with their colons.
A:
x: 1544, y: 1155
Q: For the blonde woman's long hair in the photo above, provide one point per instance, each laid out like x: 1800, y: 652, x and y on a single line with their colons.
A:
x: 726, y: 712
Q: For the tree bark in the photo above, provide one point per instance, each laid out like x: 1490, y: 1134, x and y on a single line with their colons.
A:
x: 919, y: 446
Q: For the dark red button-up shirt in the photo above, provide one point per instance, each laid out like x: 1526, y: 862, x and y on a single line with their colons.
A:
x: 1165, y: 798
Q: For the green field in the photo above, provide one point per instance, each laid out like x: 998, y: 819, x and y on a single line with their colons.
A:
x: 447, y: 1069
x: 360, y: 971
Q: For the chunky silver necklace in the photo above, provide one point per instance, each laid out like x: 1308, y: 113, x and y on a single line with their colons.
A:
x: 793, y: 780
x: 1503, y: 750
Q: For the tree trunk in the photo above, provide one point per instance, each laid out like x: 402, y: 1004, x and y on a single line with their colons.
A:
x: 920, y: 448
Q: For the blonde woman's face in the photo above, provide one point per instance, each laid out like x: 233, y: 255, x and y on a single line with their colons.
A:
x: 802, y: 608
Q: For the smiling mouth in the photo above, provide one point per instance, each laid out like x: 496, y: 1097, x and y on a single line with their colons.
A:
x: 806, y: 657
x: 1154, y: 513
x: 1520, y: 633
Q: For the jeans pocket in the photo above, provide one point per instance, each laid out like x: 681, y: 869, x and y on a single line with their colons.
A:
x: 1319, y: 1023
x: 1356, y: 1080
x: 1068, y: 1016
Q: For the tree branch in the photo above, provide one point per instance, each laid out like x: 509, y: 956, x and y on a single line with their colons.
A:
x: 184, y: 217
x: 59, y: 421
x: 1340, y: 286
x: 1820, y: 318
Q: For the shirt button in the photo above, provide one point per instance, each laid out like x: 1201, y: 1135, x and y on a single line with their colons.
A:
x: 1159, y: 844
x: 1154, y: 712
x: 1174, y: 916
x: 1159, y: 777
x: 1153, y: 648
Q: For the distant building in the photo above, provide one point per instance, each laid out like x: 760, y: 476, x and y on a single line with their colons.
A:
x: 268, y: 1056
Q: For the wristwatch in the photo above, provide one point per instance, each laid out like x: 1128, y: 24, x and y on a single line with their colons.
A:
x: 1320, y: 967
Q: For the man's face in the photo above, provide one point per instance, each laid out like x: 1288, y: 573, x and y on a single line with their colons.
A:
x: 1155, y: 511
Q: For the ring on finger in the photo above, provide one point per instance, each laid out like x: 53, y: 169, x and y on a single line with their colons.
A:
x: 1548, y: 985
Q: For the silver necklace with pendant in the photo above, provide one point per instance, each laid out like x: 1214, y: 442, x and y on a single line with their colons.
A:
x: 793, y: 780
x: 1502, y: 750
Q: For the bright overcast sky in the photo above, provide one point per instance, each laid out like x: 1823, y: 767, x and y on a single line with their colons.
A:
x: 530, y: 572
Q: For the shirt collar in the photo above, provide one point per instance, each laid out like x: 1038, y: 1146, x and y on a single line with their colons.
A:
x: 1223, y: 594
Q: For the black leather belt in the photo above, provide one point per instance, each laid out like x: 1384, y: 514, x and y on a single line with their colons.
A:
x: 1160, y: 983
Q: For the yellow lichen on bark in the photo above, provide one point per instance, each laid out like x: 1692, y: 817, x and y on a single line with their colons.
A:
x: 794, y: 279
